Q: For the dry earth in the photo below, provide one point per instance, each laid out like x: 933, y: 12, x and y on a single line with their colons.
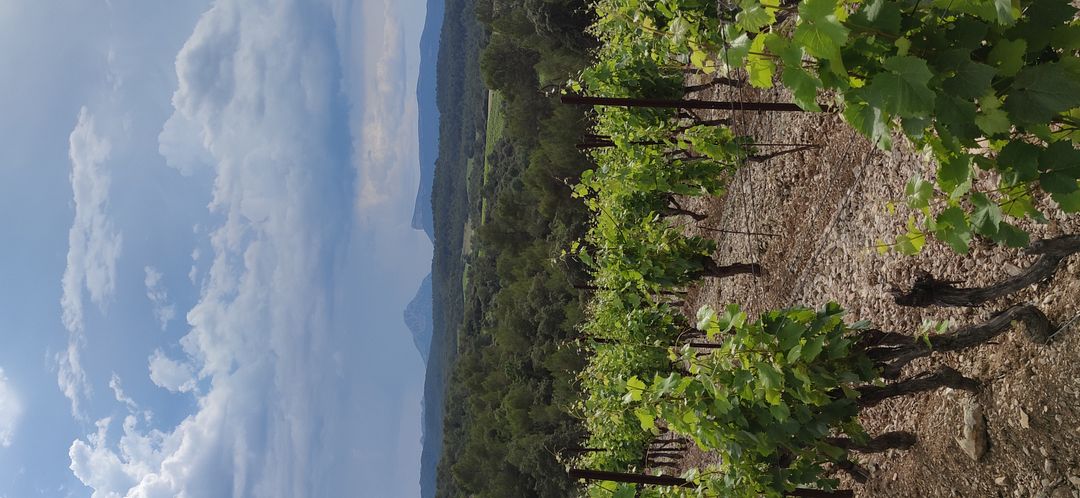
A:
x: 827, y: 208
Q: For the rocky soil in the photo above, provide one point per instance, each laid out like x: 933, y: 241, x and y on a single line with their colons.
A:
x: 817, y: 216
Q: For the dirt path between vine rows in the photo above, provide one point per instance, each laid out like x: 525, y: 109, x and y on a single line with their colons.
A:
x: 827, y: 208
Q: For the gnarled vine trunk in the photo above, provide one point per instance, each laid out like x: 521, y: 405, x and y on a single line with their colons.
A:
x: 929, y: 291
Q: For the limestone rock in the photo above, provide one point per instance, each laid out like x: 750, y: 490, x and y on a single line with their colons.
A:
x: 974, y: 440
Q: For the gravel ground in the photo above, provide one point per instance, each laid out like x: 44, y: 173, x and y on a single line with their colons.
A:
x: 827, y: 207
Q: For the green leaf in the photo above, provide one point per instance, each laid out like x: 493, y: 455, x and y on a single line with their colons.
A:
x: 802, y: 84
x: 968, y: 33
x: 625, y: 491
x: 812, y: 348
x: 1018, y: 162
x: 1050, y: 12
x: 1057, y: 183
x: 760, y: 67
x: 999, y: 11
x: 780, y: 411
x: 986, y: 217
x: 635, y: 387
x: 1007, y: 56
x: 705, y: 317
x: 991, y: 119
x: 820, y: 32
x: 1018, y: 202
x: 646, y: 419
x: 972, y: 80
x: 1011, y: 236
x: 952, y: 228
x: 664, y: 385
x: 1006, y: 14
x: 699, y: 59
x: 1041, y: 92
x: 953, y: 172
x: 918, y: 192
x: 1069, y: 203
x: 794, y: 353
x: 770, y: 377
x: 877, y: 16
x: 1061, y: 157
x: 752, y: 16
x: 737, y: 49
x: 870, y: 121
x: 902, y: 90
x: 1066, y: 38
x: 790, y: 334
x: 912, y: 242
x: 958, y: 118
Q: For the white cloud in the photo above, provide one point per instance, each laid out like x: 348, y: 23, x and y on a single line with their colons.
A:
x: 172, y: 375
x: 93, y: 248
x: 164, y: 311
x: 385, y: 145
x: 10, y: 411
x: 260, y: 106
x: 118, y: 392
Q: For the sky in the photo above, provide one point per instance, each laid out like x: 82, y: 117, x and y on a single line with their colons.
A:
x: 207, y: 249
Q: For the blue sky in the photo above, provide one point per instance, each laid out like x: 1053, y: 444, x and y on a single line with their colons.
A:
x: 208, y: 248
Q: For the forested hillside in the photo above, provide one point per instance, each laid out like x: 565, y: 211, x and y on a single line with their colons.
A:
x: 512, y: 380
x: 461, y: 101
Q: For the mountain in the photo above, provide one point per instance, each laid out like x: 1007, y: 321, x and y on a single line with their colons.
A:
x: 419, y: 320
x: 419, y: 314
x: 428, y: 116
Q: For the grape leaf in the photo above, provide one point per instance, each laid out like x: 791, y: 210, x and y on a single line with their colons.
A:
x: 812, y: 348
x: 1049, y: 12
x: 1061, y: 157
x: 820, y: 32
x: 972, y: 80
x: 958, y: 117
x: 759, y: 66
x: 802, y: 84
x: 790, y: 334
x: 986, y: 217
x: 1066, y: 37
x: 952, y: 228
x: 918, y: 192
x: 736, y: 50
x: 901, y: 91
x: 991, y: 119
x: 752, y: 16
x: 1011, y: 236
x: 968, y: 33
x: 1007, y: 56
x: 953, y: 171
x: 1069, y: 203
x: 770, y: 377
x: 877, y: 15
x: 1018, y: 162
x: 1041, y: 92
x: 999, y: 11
x: 1057, y: 183
x: 910, y: 243
x: 869, y: 121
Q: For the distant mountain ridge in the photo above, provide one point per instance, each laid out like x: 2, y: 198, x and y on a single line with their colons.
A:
x: 418, y: 317
x: 419, y: 314
x: 428, y: 116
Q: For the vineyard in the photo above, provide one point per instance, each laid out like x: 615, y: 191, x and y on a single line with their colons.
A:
x: 761, y: 167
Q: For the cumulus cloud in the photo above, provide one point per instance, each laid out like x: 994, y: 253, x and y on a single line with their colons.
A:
x: 380, y: 139
x: 172, y: 375
x: 10, y: 411
x: 259, y: 105
x: 93, y: 248
x: 164, y: 310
